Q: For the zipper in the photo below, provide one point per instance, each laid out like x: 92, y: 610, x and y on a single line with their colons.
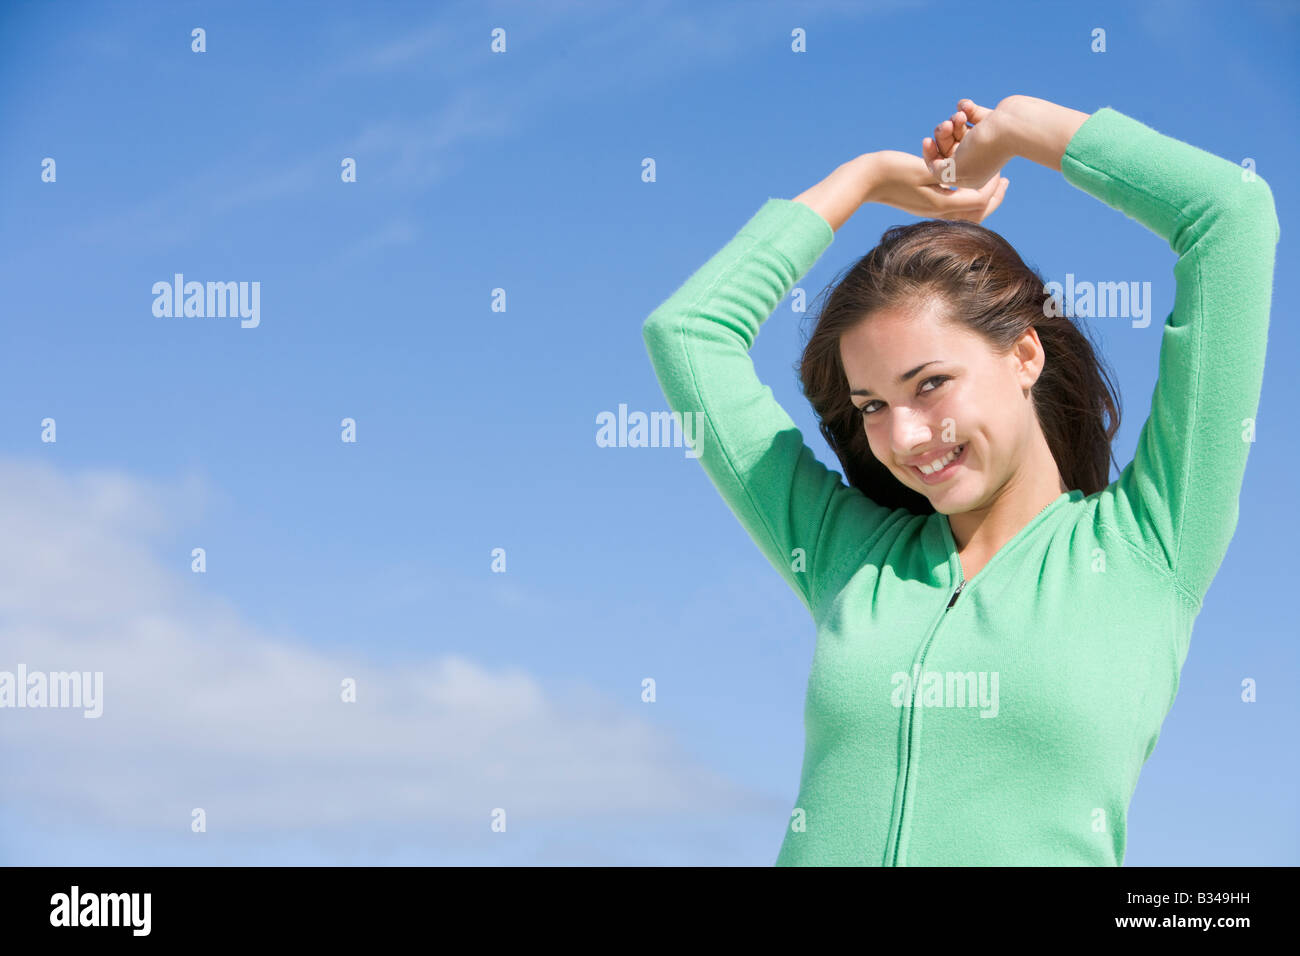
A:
x: 911, y: 719
x: 925, y: 648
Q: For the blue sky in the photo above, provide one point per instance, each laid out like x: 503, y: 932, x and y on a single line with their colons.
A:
x: 476, y: 428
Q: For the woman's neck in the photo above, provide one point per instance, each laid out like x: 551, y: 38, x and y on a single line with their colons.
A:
x: 980, y: 533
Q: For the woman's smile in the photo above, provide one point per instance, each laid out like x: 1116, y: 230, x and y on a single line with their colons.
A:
x: 942, y: 468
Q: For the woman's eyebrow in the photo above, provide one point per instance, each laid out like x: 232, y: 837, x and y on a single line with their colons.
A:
x: 901, y: 379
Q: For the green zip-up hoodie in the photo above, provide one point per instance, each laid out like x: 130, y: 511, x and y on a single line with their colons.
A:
x: 1002, y: 720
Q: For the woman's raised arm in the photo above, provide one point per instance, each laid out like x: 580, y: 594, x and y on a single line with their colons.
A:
x: 1178, y: 498
x: 1177, y: 501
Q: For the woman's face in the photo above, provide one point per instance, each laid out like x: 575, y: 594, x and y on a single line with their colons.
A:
x: 928, y: 388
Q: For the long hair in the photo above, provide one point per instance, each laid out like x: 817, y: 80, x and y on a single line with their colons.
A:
x: 986, y: 287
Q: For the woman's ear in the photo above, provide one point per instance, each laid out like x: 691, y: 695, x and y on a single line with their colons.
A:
x: 1030, y: 357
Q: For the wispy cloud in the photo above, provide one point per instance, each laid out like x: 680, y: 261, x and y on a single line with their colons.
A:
x: 397, y: 232
x: 476, y: 96
x: 408, y: 48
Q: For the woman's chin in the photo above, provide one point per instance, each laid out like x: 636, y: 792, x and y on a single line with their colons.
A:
x: 948, y: 499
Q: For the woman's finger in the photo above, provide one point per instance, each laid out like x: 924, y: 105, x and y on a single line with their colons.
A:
x: 958, y: 125
x: 929, y: 156
x: 992, y: 197
x: 943, y: 136
x: 996, y: 200
x: 945, y: 203
x: 965, y: 203
x: 973, y: 112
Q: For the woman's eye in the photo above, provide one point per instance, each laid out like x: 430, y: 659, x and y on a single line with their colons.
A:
x: 868, y: 408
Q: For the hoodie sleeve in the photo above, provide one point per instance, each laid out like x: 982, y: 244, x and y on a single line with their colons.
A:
x: 1177, y: 500
x: 799, y: 513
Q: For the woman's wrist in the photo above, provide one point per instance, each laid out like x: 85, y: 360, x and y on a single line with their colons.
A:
x: 1037, y: 129
x: 838, y: 196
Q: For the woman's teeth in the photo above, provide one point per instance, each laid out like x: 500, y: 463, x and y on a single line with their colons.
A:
x: 940, y: 462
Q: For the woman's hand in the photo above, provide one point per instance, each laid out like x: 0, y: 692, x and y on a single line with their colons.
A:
x: 907, y: 182
x: 901, y: 180
x: 970, y: 156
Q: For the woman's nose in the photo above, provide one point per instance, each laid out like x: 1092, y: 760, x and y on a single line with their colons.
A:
x: 909, y: 434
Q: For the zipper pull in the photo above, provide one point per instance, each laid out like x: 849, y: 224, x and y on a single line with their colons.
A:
x: 954, y: 595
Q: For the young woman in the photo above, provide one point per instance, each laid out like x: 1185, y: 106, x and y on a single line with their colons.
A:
x: 1000, y: 628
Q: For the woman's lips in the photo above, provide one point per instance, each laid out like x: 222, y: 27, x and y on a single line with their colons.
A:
x: 944, y: 473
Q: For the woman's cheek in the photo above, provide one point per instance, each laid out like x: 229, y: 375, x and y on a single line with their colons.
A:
x: 879, y: 447
x: 953, y: 413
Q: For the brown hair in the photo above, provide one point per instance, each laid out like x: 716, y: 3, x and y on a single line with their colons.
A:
x: 989, y: 289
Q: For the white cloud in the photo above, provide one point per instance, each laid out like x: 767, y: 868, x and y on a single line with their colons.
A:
x: 203, y: 709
